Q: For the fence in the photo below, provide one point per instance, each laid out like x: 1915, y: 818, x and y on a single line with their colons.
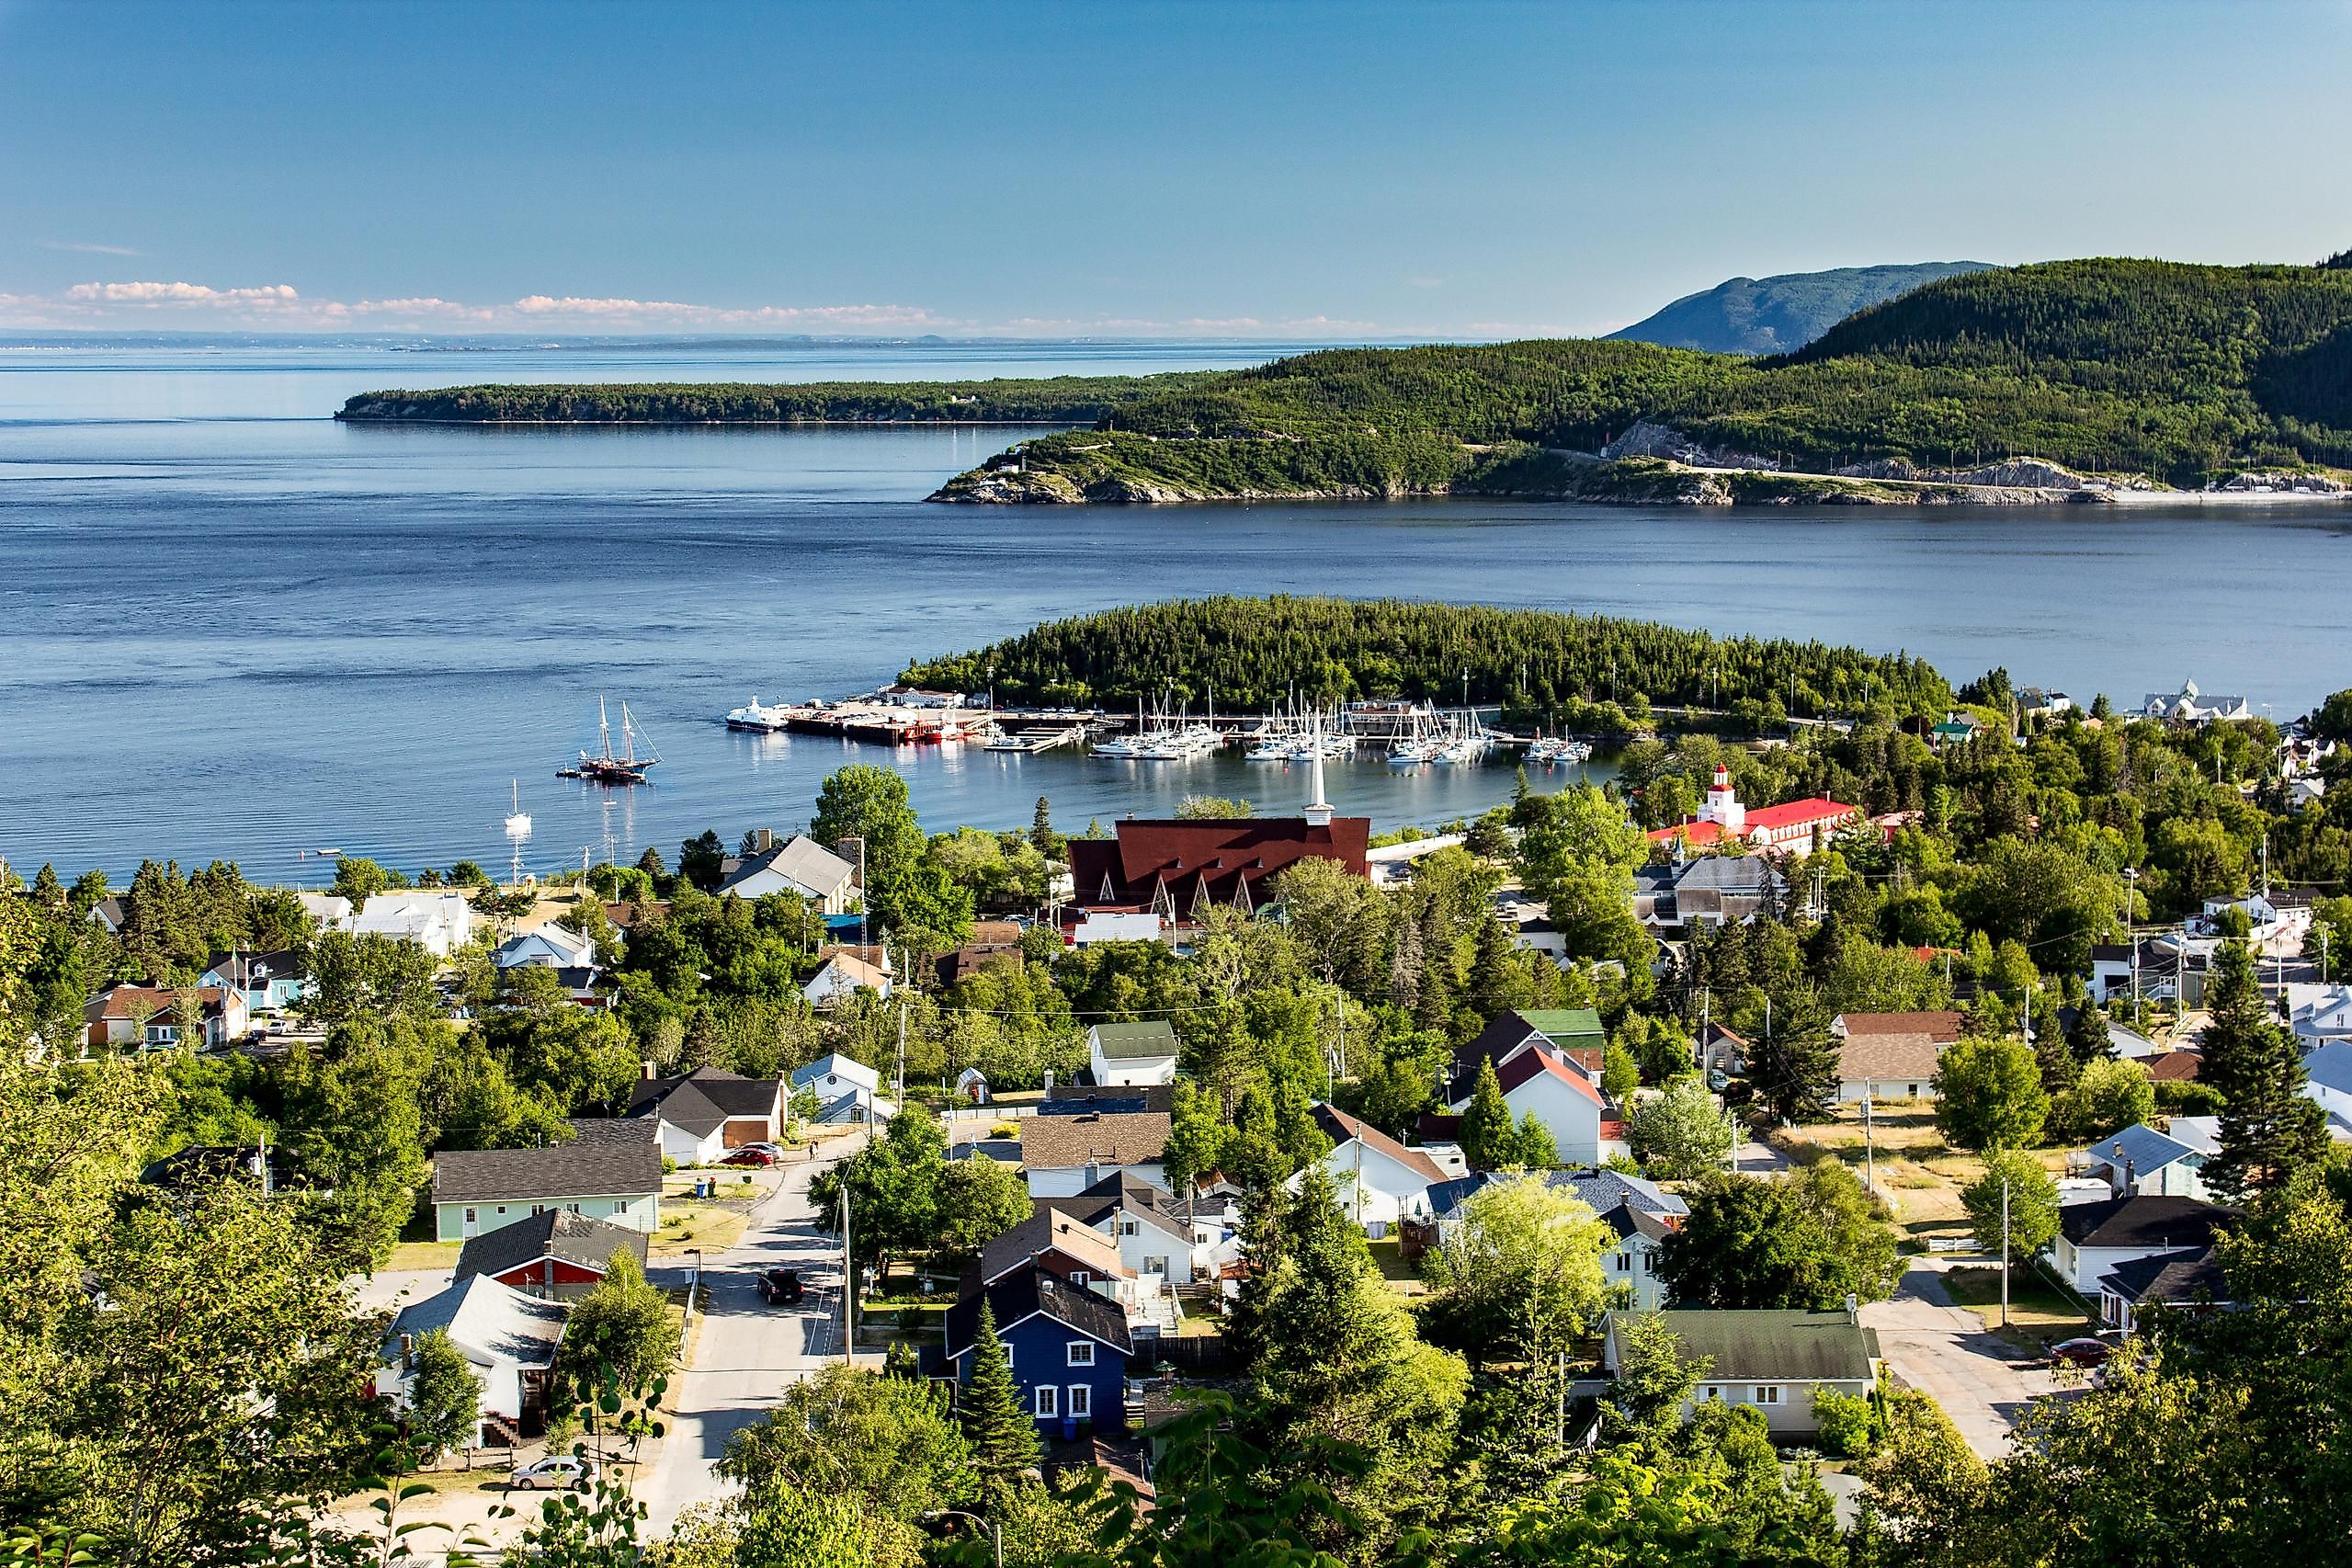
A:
x: 1195, y: 1353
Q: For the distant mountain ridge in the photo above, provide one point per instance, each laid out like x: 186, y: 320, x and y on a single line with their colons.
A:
x: 1780, y: 315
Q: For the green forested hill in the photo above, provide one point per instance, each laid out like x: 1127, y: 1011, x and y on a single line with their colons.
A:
x: 1257, y: 651
x: 1781, y: 314
x: 2181, y: 372
x: 2176, y: 371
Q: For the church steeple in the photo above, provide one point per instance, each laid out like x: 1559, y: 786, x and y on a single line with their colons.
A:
x: 1318, y: 809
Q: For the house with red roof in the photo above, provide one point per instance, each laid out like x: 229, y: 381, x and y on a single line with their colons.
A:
x: 1790, y: 828
x: 1180, y: 869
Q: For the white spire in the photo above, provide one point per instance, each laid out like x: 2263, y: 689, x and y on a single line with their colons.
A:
x: 1318, y: 809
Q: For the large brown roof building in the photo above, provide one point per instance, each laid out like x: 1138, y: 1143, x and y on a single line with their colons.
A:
x: 1182, y: 867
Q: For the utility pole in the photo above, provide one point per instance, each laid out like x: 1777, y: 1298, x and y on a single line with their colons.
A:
x: 1869, y: 1146
x: 849, y: 1287
x: 902, y: 1046
x: 2004, y: 1250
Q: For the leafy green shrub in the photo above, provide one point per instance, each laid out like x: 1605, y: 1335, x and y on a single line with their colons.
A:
x: 1849, y: 1428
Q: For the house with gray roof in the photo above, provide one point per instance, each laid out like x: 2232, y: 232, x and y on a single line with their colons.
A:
x: 2327, y: 1078
x: 1132, y: 1053
x: 799, y: 865
x: 1771, y: 1360
x: 611, y: 1170
x: 701, y: 1116
x: 2093, y: 1239
x: 2167, y: 1161
x: 1674, y: 897
x: 508, y: 1338
x: 2188, y: 1277
x: 554, y: 1254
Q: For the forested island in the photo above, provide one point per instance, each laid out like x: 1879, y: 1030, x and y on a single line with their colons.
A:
x: 2068, y: 380
x: 1042, y: 400
x: 1594, y: 671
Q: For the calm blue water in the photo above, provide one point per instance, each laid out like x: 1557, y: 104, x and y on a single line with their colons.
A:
x: 230, y: 627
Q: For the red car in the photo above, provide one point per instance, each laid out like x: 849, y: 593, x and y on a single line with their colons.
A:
x: 2083, y: 1352
x: 749, y: 1157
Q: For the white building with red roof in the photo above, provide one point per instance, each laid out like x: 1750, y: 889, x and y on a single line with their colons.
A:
x: 1790, y: 828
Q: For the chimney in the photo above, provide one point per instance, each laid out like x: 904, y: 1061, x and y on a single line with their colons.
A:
x: 2119, y: 1183
x: 1853, y: 1308
x: 762, y: 841
x: 1048, y: 1083
x: 648, y: 1070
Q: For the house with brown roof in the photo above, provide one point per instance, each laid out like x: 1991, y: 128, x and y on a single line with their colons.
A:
x: 1180, y: 869
x: 1065, y: 1154
x: 1890, y: 1056
x: 1378, y: 1181
x: 151, y: 1018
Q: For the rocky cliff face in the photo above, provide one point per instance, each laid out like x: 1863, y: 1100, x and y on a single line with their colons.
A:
x: 1648, y: 438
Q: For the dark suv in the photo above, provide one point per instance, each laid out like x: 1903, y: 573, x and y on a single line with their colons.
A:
x: 781, y: 1287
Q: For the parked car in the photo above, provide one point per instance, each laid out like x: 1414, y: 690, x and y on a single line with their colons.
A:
x: 556, y: 1472
x: 2084, y: 1352
x: 749, y: 1156
x: 781, y: 1287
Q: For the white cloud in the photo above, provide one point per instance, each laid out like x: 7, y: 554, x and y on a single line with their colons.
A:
x: 181, y: 294
x: 280, y: 306
x: 89, y: 248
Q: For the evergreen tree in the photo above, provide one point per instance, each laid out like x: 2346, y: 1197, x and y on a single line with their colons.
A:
x: 1002, y: 1438
x: 1497, y: 979
x: 1487, y: 1137
x: 2053, y: 1052
x: 1043, y: 837
x: 1404, y: 966
x: 2086, y: 1035
x: 2267, y: 1127
x: 1261, y: 1244
x: 1793, y: 1068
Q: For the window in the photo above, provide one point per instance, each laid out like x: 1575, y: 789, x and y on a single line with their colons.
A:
x: 1648, y: 1263
x: 1082, y: 1402
x: 1082, y: 1353
x: 536, y: 1209
x: 575, y: 1208
x: 1048, y: 1398
x: 1625, y: 1263
x: 1767, y: 1394
x: 1079, y: 1277
x: 1711, y: 1392
x: 1127, y: 1227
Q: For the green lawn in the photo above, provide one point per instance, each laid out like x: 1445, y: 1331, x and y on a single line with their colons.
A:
x: 2040, y: 1313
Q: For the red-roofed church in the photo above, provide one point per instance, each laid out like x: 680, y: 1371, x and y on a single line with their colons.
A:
x: 1790, y: 828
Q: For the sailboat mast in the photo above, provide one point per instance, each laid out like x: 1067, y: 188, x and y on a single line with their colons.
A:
x: 603, y: 727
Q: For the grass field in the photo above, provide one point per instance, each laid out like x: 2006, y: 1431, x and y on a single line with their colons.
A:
x: 709, y: 1226
x: 2040, y: 1313
x: 424, y: 1255
x: 1918, y: 1171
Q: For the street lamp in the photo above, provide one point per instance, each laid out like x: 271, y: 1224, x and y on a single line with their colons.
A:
x: 995, y: 1532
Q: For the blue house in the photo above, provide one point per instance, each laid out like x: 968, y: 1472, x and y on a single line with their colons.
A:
x: 1068, y: 1346
x: 270, y: 982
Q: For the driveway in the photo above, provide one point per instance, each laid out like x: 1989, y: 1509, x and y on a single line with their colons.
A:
x: 747, y: 1351
x: 1944, y: 1351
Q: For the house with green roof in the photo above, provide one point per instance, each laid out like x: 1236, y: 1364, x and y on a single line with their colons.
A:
x: 1568, y: 1028
x: 1771, y: 1361
x: 1132, y: 1053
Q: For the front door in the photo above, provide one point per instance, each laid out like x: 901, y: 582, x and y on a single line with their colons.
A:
x: 473, y: 1226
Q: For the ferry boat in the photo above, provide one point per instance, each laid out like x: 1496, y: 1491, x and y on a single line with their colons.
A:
x: 760, y: 719
x: 603, y: 766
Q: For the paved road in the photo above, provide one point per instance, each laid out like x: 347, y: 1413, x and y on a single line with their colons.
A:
x: 747, y: 1351
x: 1944, y: 1351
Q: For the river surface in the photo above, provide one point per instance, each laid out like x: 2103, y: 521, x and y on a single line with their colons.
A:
x: 232, y: 628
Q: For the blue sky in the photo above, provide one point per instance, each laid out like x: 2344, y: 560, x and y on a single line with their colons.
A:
x: 1299, y: 170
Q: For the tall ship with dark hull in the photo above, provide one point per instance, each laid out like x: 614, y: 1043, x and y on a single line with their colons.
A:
x: 605, y: 766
